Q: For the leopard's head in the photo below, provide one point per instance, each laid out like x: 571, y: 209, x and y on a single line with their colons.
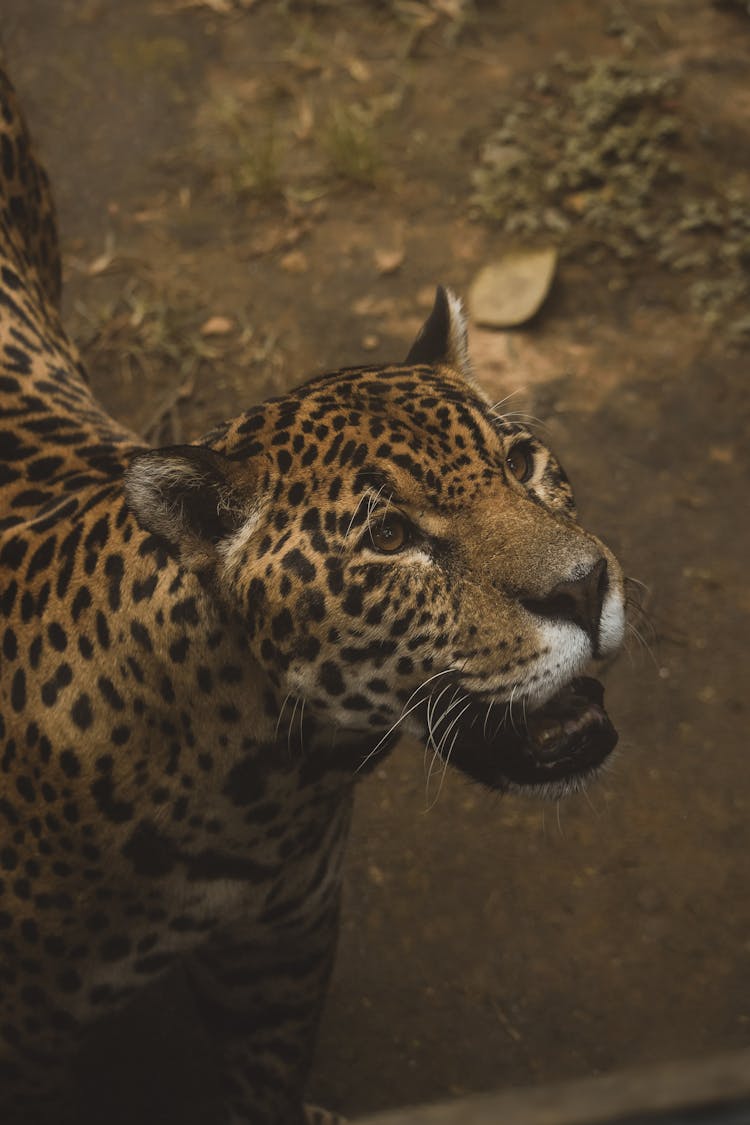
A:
x: 403, y: 558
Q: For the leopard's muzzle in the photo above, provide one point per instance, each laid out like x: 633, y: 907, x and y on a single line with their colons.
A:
x: 555, y: 748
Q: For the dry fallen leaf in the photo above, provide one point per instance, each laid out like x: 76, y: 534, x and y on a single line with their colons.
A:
x: 510, y: 291
x: 274, y: 238
x: 453, y: 9
x: 376, y: 875
x: 370, y: 305
x: 103, y: 261
x: 217, y: 326
x: 99, y: 265
x: 304, y: 61
x: 388, y: 261
x: 266, y: 242
x: 150, y: 215
x: 242, y: 89
x: 419, y: 15
x: 370, y: 342
x: 305, y: 119
x: 172, y: 7
x: 295, y: 262
x: 358, y: 70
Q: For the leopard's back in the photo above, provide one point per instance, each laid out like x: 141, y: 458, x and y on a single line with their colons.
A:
x: 56, y: 442
x: 101, y: 632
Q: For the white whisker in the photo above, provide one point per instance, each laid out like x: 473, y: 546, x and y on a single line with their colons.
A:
x: 363, y: 498
x: 432, y: 704
x: 509, y: 711
x: 487, y: 718
x: 388, y: 733
x: 301, y: 717
x: 643, y: 643
x: 287, y: 697
x: 445, y: 672
x: 291, y: 724
x: 438, y: 751
x: 406, y: 711
x: 446, y: 761
x: 502, y: 401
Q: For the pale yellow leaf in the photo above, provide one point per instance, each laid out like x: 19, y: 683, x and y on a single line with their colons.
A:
x: 358, y: 70
x: 388, y: 261
x: 217, y: 326
x: 510, y: 291
x: 295, y: 262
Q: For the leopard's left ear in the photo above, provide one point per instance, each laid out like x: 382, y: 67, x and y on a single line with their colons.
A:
x: 442, y: 338
x: 192, y: 496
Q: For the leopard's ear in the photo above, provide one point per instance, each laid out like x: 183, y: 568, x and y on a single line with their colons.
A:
x: 442, y: 338
x: 190, y: 495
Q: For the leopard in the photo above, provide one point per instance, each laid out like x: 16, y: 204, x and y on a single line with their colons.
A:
x: 206, y: 646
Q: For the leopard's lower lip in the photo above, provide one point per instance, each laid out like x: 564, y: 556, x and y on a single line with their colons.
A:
x: 565, y: 740
x: 566, y: 718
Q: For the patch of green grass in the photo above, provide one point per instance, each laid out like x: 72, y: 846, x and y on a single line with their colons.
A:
x: 162, y: 54
x: 257, y: 169
x: 349, y: 141
x: 248, y: 157
x: 596, y: 158
x: 146, y: 329
x: 590, y: 145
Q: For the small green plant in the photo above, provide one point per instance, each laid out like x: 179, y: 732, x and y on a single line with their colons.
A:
x: 245, y: 155
x: 257, y: 169
x: 350, y: 144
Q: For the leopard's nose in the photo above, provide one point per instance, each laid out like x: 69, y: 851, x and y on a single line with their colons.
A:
x: 579, y: 601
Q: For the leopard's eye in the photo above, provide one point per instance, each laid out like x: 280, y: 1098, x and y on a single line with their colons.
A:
x: 390, y: 533
x: 520, y: 462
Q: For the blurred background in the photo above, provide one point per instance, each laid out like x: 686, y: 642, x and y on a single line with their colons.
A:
x: 253, y: 191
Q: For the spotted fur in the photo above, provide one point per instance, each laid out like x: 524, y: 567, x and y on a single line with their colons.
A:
x: 204, y: 646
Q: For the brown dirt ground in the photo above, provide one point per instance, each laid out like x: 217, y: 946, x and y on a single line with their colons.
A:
x: 486, y: 943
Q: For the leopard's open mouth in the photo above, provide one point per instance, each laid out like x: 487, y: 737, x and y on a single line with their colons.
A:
x: 559, y: 745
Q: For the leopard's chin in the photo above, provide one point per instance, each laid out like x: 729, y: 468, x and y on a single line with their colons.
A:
x: 555, y: 749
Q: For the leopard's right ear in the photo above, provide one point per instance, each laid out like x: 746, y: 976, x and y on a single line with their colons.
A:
x: 190, y: 495
x: 442, y: 339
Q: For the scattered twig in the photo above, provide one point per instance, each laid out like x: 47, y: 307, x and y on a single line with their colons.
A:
x: 166, y: 412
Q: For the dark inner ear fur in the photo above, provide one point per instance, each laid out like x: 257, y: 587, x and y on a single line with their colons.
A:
x: 442, y: 337
x: 431, y: 344
x: 185, y: 492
